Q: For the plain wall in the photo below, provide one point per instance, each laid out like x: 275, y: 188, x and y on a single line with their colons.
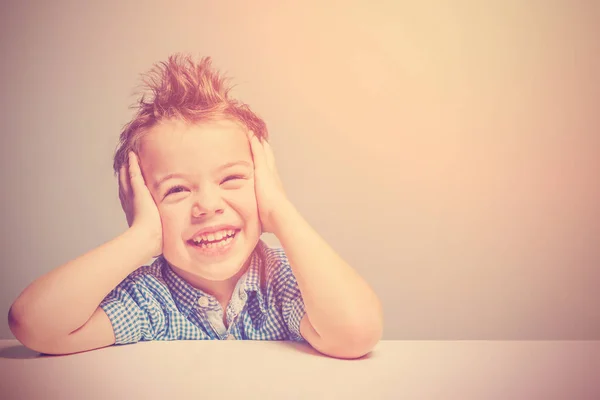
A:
x: 448, y: 151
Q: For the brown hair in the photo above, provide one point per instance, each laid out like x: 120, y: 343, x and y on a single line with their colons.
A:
x: 181, y: 88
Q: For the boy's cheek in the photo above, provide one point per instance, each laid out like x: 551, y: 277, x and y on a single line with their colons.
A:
x: 244, y: 197
x: 172, y: 220
x: 244, y: 202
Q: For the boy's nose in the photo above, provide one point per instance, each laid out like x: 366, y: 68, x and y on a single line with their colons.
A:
x: 206, y: 205
x: 198, y: 211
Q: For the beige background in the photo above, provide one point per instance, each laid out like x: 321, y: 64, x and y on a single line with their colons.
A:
x: 448, y: 152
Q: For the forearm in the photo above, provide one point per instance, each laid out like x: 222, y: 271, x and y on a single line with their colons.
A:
x: 63, y: 300
x: 340, y: 304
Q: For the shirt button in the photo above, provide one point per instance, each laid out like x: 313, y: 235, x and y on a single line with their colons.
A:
x: 203, y: 301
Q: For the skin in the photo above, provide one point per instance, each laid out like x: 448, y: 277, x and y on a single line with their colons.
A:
x: 343, y: 317
x: 205, y: 194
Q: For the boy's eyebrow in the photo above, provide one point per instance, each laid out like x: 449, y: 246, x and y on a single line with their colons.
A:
x: 233, y: 164
x: 221, y: 168
x: 166, y: 178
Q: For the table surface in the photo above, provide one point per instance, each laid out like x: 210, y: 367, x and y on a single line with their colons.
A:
x: 287, y: 370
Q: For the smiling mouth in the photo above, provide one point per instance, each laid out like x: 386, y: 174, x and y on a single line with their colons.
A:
x: 216, y: 243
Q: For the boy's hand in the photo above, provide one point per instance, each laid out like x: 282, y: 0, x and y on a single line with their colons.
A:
x: 270, y: 195
x: 138, y: 204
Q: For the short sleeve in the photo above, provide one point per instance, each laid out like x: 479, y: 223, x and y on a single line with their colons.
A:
x: 133, y: 312
x: 292, y: 304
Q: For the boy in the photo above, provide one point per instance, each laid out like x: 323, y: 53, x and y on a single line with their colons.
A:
x: 198, y: 185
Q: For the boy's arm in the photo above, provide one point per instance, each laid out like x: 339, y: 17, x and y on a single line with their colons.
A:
x: 344, y: 316
x: 58, y: 313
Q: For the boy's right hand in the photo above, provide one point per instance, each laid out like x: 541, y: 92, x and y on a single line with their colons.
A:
x: 138, y: 204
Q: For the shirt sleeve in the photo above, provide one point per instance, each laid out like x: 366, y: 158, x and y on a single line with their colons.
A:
x: 133, y: 312
x: 292, y: 304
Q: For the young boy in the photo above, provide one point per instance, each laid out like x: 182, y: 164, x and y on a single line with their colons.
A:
x: 198, y: 184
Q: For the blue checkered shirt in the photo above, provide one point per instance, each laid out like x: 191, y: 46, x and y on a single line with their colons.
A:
x: 153, y: 303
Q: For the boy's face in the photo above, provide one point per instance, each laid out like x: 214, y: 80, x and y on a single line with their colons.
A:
x: 213, y: 186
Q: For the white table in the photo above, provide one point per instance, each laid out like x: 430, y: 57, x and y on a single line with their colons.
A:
x: 283, y: 370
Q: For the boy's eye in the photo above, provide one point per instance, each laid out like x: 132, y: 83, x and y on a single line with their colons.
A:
x: 175, y: 189
x: 231, y: 178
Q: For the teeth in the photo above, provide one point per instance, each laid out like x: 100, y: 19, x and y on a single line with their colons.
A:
x: 211, y: 237
x: 222, y: 243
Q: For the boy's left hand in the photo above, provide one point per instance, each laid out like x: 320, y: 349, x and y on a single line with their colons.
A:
x: 270, y: 195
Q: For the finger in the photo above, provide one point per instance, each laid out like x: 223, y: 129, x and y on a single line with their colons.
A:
x: 258, y: 153
x: 250, y: 135
x: 135, y: 173
x: 124, y: 188
x: 124, y: 191
x: 270, y: 157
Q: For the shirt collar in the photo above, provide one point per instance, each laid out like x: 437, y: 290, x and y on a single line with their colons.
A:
x: 187, y: 297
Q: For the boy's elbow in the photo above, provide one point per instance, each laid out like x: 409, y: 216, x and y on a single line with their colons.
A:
x: 364, y: 337
x: 19, y: 327
x: 355, y: 343
x: 349, y: 348
x: 17, y: 323
x: 13, y: 322
x: 25, y: 333
x: 361, y: 337
x: 362, y: 343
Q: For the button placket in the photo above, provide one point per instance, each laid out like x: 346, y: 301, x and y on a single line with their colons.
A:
x: 213, y: 317
x: 237, y: 302
x: 203, y: 301
x: 235, y: 315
